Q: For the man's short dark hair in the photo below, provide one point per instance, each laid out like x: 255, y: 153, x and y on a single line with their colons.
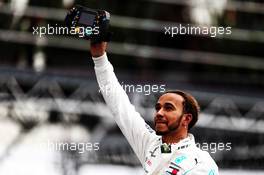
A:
x: 190, y: 106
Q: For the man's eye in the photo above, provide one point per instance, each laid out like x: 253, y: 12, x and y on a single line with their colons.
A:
x: 168, y: 107
x: 157, y: 108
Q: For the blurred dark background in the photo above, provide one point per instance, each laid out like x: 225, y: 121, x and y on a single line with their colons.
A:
x: 50, y: 81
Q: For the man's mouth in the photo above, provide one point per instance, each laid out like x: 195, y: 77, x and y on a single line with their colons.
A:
x: 161, y: 122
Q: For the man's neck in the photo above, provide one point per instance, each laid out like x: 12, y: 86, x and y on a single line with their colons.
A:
x: 172, y: 138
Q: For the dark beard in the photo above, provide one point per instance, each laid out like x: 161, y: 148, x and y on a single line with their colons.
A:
x: 172, y: 128
x: 160, y: 133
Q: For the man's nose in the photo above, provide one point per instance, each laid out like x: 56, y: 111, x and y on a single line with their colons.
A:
x: 159, y: 113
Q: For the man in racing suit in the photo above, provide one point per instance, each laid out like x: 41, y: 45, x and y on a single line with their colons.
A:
x: 170, y: 149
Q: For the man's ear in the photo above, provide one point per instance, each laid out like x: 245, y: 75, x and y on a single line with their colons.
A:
x: 187, y: 119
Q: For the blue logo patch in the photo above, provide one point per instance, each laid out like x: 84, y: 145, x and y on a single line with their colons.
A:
x: 179, y: 160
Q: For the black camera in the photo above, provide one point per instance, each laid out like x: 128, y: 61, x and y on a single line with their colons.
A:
x: 88, y: 23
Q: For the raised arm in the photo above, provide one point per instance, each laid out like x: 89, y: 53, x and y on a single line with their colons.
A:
x: 127, y: 118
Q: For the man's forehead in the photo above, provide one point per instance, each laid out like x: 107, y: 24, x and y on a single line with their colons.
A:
x: 172, y: 98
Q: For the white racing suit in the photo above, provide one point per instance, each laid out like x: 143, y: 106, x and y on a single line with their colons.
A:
x: 185, y: 158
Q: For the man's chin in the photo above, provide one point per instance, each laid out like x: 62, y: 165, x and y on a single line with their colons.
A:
x: 161, y: 128
x: 161, y: 132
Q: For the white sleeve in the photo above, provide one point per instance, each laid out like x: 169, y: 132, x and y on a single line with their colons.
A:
x: 132, y: 125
